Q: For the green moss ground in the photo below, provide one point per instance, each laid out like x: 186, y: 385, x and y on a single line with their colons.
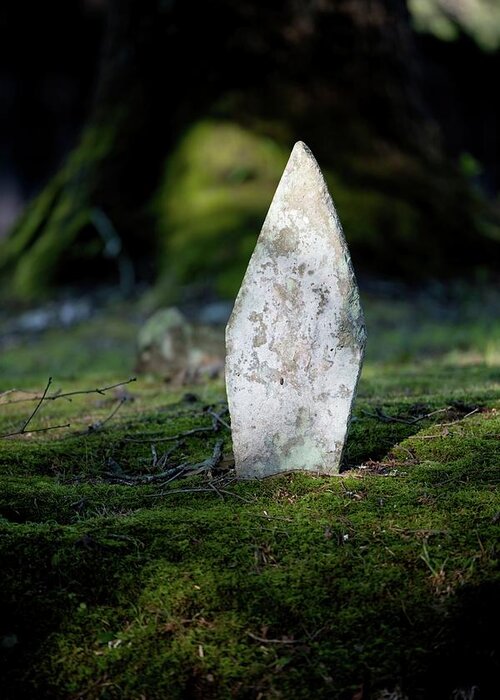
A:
x: 298, y: 586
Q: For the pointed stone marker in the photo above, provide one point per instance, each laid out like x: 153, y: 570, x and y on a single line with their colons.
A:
x: 296, y: 337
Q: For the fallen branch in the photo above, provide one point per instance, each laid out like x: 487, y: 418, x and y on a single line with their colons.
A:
x: 44, y: 397
x: 206, y: 465
x: 24, y: 427
x: 386, y: 418
x: 59, y: 395
x: 218, y: 419
x: 180, y: 436
x: 160, y: 462
x: 139, y: 479
x: 201, y: 489
x: 170, y: 474
x: 444, y: 433
x: 35, y: 411
x: 210, y: 462
x: 98, y: 425
x: 458, y: 420
x: 101, y: 391
x: 263, y: 640
x: 36, y: 430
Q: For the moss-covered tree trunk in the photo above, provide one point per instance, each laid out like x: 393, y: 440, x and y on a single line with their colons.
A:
x: 343, y: 75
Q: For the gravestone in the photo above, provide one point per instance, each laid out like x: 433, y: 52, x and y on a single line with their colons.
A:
x: 180, y: 351
x: 296, y: 336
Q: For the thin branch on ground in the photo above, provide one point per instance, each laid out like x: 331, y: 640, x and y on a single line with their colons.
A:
x: 101, y: 391
x: 24, y: 427
x: 180, y: 436
x: 263, y: 640
x: 37, y: 407
x: 314, y: 635
x: 426, y: 437
x: 62, y: 395
x: 35, y: 430
x: 58, y: 395
x: 214, y: 488
x: 98, y: 425
x: 213, y: 461
x: 443, y: 433
x: 386, y: 418
x: 162, y: 461
x: 201, y: 489
x: 139, y: 479
x: 459, y: 420
x: 217, y: 417
x: 236, y: 495
x: 170, y: 474
x: 207, y: 464
x: 177, y: 475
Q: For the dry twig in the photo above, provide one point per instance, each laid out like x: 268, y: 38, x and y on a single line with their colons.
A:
x: 35, y: 430
x: 60, y: 395
x: 98, y: 425
x: 118, y: 477
x: 443, y: 433
x: 44, y: 397
x: 218, y: 419
x: 180, y: 436
x: 263, y: 640
x: 386, y: 418
x: 201, y: 489
x: 35, y: 411
x: 24, y: 427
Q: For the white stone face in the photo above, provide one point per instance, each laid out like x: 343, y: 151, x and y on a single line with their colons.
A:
x: 296, y: 337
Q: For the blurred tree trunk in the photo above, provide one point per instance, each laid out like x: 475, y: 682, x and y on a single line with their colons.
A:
x: 343, y: 75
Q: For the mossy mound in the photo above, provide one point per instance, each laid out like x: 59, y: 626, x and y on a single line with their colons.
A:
x: 220, y: 180
x: 217, y: 187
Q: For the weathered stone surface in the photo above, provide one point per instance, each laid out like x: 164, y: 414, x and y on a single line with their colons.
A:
x: 296, y: 337
x: 180, y: 351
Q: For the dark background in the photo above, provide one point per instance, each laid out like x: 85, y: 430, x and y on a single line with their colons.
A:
x: 99, y: 96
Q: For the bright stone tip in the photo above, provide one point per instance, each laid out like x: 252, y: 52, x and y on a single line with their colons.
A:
x: 301, y: 146
x: 302, y: 151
